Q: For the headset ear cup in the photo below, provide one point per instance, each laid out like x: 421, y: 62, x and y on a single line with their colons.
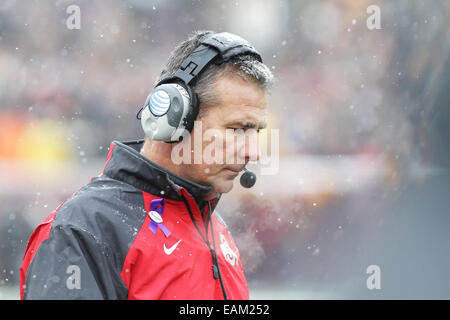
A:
x: 151, y: 123
x: 167, y: 111
x: 193, y: 110
x: 192, y: 107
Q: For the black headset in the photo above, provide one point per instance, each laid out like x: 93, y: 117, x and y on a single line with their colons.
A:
x: 172, y: 106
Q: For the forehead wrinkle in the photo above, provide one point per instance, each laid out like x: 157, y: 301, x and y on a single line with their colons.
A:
x: 248, y: 123
x: 239, y: 92
x: 239, y: 101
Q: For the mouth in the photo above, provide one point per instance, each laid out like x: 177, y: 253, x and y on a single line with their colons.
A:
x: 233, y: 171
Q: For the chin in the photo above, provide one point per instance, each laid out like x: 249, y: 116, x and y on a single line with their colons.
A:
x: 224, y: 187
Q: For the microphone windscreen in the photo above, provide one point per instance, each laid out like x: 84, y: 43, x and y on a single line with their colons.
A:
x: 248, y: 179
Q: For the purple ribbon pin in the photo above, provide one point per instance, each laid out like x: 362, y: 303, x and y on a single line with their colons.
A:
x: 156, y: 211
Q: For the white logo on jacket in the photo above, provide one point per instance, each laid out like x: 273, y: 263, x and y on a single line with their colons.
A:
x: 228, y: 253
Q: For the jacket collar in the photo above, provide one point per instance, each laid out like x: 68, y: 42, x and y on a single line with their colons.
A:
x: 125, y: 163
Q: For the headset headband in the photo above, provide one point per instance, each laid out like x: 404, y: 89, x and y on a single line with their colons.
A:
x: 217, y: 47
x: 173, y: 104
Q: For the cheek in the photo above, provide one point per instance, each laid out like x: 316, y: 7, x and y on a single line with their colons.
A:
x: 216, y: 151
x: 207, y: 172
x: 230, y: 145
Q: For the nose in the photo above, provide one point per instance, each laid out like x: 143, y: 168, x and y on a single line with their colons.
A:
x: 250, y: 150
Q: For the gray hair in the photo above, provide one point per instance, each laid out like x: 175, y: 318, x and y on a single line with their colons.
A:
x: 246, y: 67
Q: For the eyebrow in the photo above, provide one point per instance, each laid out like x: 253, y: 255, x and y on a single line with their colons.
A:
x: 248, y: 124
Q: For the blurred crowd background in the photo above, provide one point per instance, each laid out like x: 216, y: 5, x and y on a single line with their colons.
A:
x: 363, y: 118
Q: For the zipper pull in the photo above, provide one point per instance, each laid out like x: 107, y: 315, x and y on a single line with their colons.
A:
x: 215, y: 268
x: 215, y: 271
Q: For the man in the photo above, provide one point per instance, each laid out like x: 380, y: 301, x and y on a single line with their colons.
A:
x: 145, y: 228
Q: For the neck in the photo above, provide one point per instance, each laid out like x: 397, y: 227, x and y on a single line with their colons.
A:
x: 159, y: 152
x: 211, y: 196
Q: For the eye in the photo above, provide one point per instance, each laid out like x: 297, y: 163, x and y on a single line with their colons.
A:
x: 236, y: 130
x: 242, y: 130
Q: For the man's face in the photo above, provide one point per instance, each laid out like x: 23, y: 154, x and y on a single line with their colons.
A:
x: 228, y: 133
